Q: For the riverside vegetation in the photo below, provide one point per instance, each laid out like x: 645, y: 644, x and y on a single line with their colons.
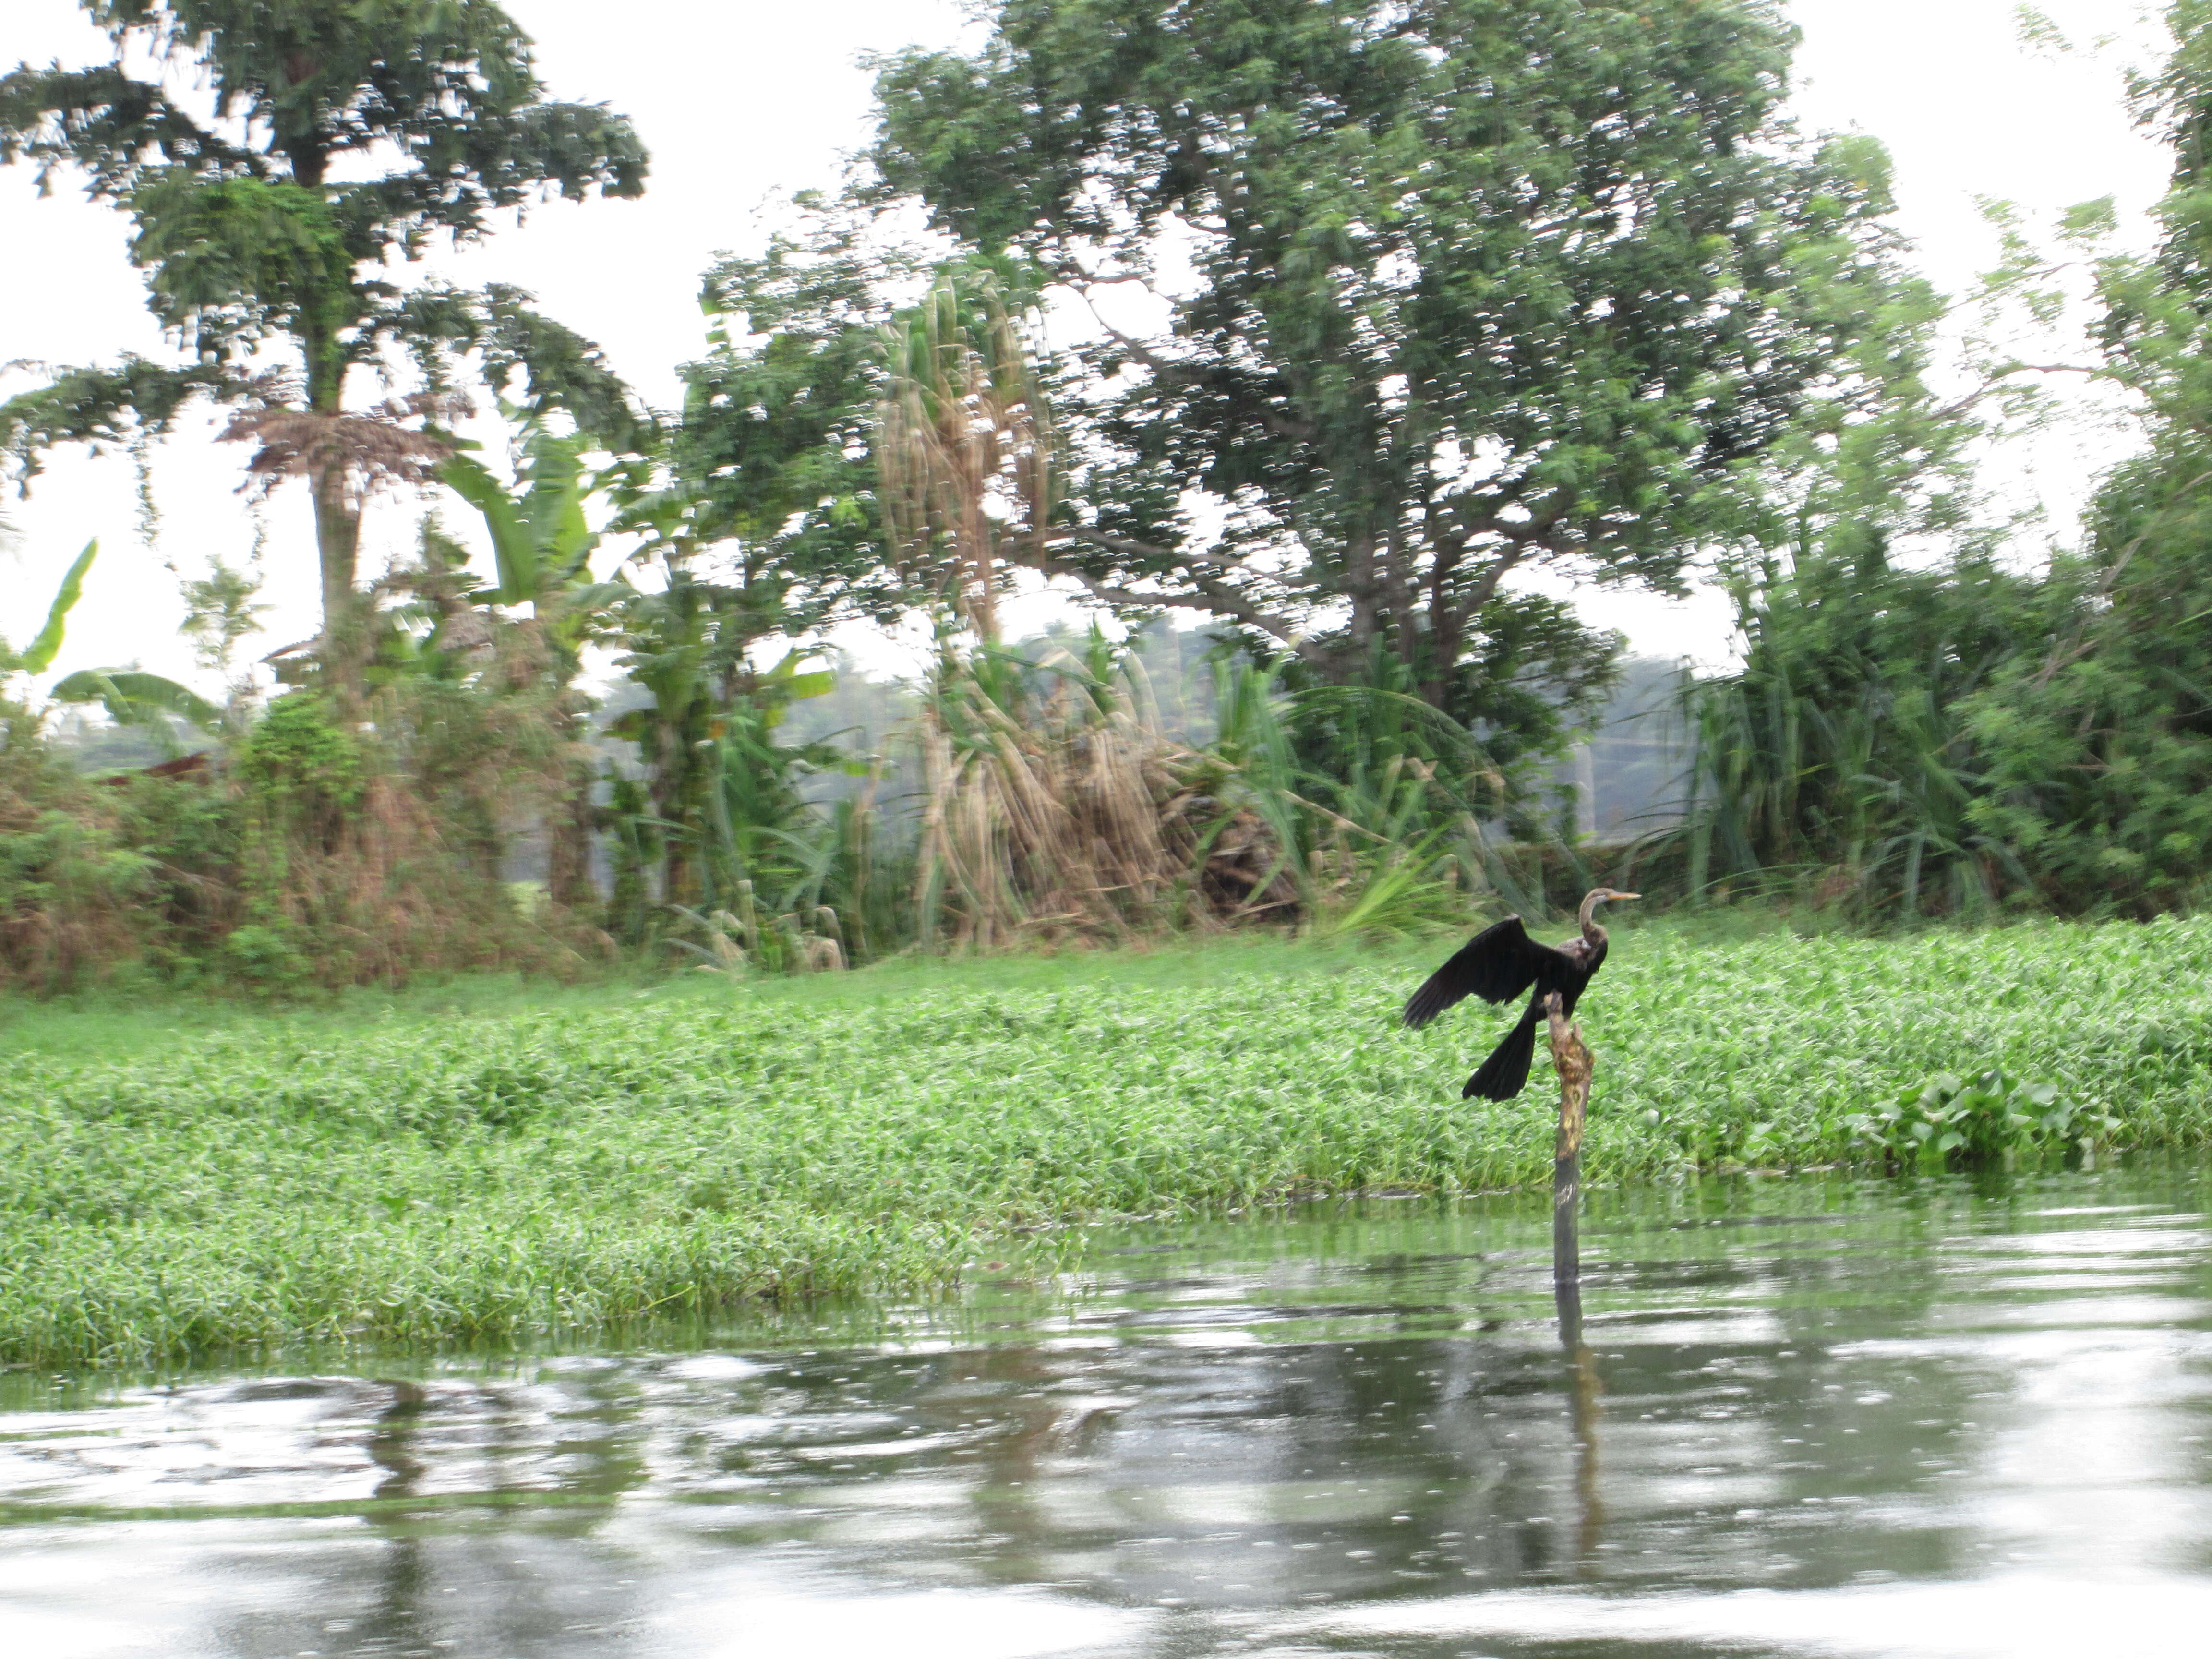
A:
x: 1490, y: 290
x: 1551, y: 287
x: 607, y: 1155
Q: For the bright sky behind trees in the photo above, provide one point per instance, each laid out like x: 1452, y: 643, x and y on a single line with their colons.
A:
x: 743, y: 104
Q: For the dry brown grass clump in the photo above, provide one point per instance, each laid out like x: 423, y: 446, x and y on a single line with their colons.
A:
x: 1062, y: 811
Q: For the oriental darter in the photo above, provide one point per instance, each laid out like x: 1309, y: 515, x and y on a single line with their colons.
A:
x: 1497, y: 964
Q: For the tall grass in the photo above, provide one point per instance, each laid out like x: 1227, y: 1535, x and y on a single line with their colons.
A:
x: 568, y: 1164
x: 1049, y: 803
x: 1840, y: 763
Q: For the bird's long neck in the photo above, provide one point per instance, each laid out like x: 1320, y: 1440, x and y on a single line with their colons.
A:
x: 1586, y: 918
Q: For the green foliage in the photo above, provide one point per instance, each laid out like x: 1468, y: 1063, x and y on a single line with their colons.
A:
x: 2098, y: 735
x: 448, y: 83
x: 1838, y: 760
x: 103, y: 409
x: 534, y: 362
x: 275, y: 222
x: 773, y: 461
x: 1367, y: 797
x: 298, y: 756
x: 1963, y: 735
x: 220, y: 608
x: 132, y: 698
x: 1532, y: 677
x: 267, y: 956
x: 1946, y: 1123
x: 542, y: 537
x: 38, y: 656
x: 541, y: 540
x: 231, y: 263
x: 1477, y: 287
x: 441, y: 1176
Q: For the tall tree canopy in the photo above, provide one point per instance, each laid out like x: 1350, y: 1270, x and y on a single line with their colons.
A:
x: 1451, y: 288
x: 2097, y: 740
x: 771, y: 458
x: 260, y: 219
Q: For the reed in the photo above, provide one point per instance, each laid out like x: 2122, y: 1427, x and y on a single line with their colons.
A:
x: 1840, y: 765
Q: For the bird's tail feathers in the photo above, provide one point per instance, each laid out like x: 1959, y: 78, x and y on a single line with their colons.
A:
x: 1505, y: 1074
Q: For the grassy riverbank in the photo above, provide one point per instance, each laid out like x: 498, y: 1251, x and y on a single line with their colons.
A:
x: 487, y: 1158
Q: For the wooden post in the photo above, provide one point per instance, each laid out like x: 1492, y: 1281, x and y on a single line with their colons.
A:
x: 1571, y: 1056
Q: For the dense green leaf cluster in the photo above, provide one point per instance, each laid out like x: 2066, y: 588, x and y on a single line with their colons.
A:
x: 1968, y: 733
x: 1951, y: 1123
x: 1468, y: 287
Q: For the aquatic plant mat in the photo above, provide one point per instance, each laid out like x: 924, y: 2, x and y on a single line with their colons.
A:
x: 433, y: 1175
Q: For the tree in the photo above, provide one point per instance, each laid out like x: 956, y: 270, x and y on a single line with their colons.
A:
x: 2098, y: 735
x: 1453, y: 288
x: 773, y: 473
x: 542, y: 544
x: 255, y: 230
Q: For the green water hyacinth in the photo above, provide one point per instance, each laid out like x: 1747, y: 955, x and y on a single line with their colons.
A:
x: 1946, y: 1123
x: 470, y: 1164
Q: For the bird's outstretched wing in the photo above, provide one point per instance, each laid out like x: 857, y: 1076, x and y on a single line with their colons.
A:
x: 1497, y: 964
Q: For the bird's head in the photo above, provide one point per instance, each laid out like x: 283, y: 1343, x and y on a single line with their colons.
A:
x: 1595, y: 896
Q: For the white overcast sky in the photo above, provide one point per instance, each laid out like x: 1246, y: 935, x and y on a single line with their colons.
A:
x: 743, y: 104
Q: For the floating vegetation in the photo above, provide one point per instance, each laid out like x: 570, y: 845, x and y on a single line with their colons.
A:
x: 575, y: 1163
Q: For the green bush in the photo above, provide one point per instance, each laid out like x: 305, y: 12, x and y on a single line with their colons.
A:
x: 1991, y: 1118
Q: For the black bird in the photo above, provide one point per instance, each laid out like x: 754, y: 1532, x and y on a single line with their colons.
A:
x: 1497, y: 964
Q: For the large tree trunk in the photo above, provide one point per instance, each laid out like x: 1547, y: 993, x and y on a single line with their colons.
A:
x: 344, y: 646
x: 345, y: 623
x: 570, y: 822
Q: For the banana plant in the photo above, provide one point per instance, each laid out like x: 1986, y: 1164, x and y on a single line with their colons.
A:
x: 133, y: 698
x: 542, y: 546
x: 130, y: 697
x: 686, y: 645
x: 39, y: 656
x: 542, y: 542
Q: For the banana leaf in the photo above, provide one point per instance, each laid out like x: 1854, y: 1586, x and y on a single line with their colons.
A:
x: 132, y: 698
x: 39, y: 654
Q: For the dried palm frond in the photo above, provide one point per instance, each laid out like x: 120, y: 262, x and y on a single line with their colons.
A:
x: 364, y: 451
x: 1060, y: 810
x: 965, y: 448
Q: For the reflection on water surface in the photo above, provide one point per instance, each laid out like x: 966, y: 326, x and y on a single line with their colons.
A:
x: 1816, y: 1417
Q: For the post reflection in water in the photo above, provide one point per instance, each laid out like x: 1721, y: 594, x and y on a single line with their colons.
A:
x: 1809, y: 1417
x: 391, y: 1618
x: 1584, y: 1386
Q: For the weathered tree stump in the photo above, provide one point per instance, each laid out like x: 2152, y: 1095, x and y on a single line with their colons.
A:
x: 1571, y: 1056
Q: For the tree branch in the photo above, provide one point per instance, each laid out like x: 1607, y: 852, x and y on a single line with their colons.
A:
x: 1147, y: 551
x: 1212, y: 596
x: 1281, y: 425
x: 1991, y: 381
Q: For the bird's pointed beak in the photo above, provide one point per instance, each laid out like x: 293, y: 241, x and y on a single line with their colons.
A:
x: 1625, y: 895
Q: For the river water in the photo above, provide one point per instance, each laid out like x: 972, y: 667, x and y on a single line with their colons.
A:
x: 1814, y: 1416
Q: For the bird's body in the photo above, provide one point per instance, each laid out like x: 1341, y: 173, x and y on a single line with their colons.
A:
x: 1497, y: 964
